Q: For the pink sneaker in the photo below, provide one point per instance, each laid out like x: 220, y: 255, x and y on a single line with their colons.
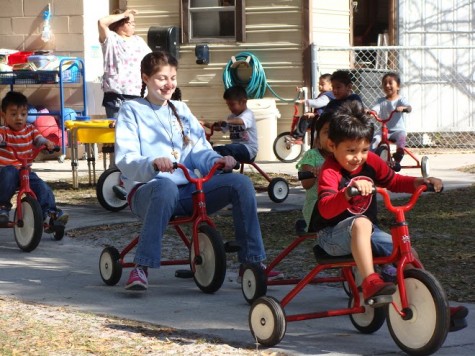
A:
x: 271, y: 275
x: 137, y: 280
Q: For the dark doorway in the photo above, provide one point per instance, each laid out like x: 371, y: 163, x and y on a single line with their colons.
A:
x: 373, y: 22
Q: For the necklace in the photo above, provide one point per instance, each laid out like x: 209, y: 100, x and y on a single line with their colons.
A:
x: 174, y: 152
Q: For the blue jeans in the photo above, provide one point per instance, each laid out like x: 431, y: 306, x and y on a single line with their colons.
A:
x: 236, y: 150
x: 336, y: 240
x: 112, y: 113
x: 10, y: 182
x: 157, y: 201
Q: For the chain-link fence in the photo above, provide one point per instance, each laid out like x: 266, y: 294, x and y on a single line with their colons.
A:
x: 438, y: 82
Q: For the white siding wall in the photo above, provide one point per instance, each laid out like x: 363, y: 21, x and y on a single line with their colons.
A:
x: 330, y: 26
x: 439, y: 104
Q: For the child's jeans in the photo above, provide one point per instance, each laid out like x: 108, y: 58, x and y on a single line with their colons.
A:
x: 398, y: 137
x: 336, y: 240
x: 237, y: 150
x: 158, y: 200
x: 10, y: 181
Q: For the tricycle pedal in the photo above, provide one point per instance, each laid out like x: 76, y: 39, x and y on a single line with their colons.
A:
x: 231, y: 246
x: 379, y: 301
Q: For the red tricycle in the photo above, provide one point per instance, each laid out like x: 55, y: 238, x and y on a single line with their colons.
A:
x: 28, y: 222
x: 278, y: 188
x: 287, y: 148
x: 206, y: 249
x: 418, y: 316
x: 384, y: 148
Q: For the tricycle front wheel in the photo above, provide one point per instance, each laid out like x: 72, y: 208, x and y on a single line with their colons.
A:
x: 210, y: 265
x: 425, y: 324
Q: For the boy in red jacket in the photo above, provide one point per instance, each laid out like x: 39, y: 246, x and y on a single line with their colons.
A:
x: 348, y: 225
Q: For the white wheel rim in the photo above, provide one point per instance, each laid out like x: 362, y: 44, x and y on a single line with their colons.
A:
x: 249, y: 284
x: 108, y: 193
x: 418, y: 331
x: 106, y: 265
x: 363, y: 319
x: 204, y: 272
x: 384, y: 154
x: 24, y: 234
x: 262, y: 321
x: 287, y: 153
x: 280, y: 190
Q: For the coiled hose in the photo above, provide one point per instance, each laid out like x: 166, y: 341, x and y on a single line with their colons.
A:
x: 257, y: 84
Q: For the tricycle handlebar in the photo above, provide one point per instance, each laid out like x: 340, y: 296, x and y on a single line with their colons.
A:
x: 375, y: 115
x: 387, y: 200
x: 204, y: 179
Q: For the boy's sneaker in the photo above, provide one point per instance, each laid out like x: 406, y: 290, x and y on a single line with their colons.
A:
x: 61, y: 218
x: 271, y: 276
x: 373, y: 287
x: 388, y: 273
x: 137, y: 280
x: 56, y: 219
x: 4, y: 216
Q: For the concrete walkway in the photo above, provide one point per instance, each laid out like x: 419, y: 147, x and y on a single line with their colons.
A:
x: 66, y: 273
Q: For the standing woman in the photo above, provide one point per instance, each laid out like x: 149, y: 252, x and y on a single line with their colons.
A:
x: 123, y: 52
x: 152, y: 133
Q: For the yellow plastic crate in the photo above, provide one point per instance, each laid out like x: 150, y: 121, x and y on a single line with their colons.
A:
x: 94, y: 131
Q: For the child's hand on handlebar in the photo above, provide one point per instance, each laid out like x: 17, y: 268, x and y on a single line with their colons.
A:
x: 435, y: 182
x: 407, y: 109
x: 49, y: 145
x: 228, y: 161
x: 163, y: 164
x: 364, y: 186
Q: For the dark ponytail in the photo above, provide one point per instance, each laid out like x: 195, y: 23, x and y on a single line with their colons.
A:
x: 186, y: 139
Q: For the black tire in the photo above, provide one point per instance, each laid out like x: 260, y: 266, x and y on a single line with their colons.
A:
x: 254, y: 283
x: 28, y: 232
x: 368, y: 322
x: 58, y: 233
x: 109, y: 266
x: 278, y: 190
x: 209, y: 274
x: 267, y: 321
x: 383, y: 152
x: 427, y: 323
x: 285, y: 151
x: 105, y: 193
x: 425, y: 168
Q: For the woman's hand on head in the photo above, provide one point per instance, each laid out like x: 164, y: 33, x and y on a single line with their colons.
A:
x: 228, y: 161
x: 163, y: 164
x: 130, y: 12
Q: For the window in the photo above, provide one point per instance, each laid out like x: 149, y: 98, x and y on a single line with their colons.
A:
x: 213, y: 20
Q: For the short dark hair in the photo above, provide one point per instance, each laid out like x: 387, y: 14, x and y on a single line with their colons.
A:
x: 326, y: 77
x: 393, y: 75
x: 322, y: 120
x: 14, y: 98
x: 115, y: 25
x: 342, y: 76
x: 350, y: 122
x: 236, y: 92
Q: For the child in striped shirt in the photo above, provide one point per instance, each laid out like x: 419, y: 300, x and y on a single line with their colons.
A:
x: 16, y: 135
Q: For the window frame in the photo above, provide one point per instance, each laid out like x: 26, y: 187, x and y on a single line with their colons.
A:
x: 240, y: 24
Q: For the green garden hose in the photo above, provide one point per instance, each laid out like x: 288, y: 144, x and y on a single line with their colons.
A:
x: 257, y: 84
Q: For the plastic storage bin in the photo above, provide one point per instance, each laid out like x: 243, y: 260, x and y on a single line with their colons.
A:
x: 18, y: 57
